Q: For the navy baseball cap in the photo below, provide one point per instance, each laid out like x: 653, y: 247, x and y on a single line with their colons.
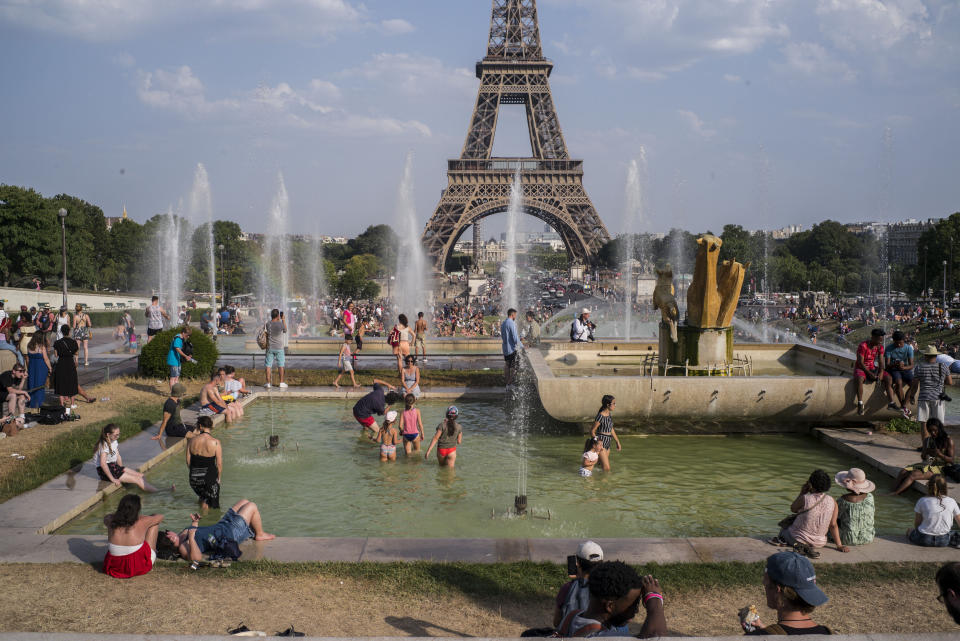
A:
x: 795, y: 571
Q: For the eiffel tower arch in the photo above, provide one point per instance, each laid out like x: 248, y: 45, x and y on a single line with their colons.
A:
x: 514, y: 72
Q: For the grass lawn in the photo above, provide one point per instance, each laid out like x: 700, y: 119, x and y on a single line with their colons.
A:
x: 434, y: 599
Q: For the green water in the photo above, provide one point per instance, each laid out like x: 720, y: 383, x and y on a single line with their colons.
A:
x: 660, y: 486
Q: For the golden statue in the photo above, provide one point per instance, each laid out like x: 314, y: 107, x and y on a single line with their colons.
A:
x: 713, y: 294
x: 663, y: 299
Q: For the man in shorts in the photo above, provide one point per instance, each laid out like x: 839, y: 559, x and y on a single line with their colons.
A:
x: 210, y: 402
x: 376, y: 402
x: 869, y: 367
x: 155, y: 317
x: 419, y: 336
x: 172, y: 424
x: 241, y: 522
x: 176, y: 355
x: 276, y: 328
x: 898, y: 363
x: 929, y: 377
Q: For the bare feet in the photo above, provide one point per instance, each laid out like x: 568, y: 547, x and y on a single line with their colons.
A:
x: 265, y: 537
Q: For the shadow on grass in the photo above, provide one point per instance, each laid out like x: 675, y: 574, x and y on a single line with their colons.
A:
x: 421, y: 628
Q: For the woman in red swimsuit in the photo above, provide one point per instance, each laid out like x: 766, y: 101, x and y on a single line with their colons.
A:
x: 132, y: 539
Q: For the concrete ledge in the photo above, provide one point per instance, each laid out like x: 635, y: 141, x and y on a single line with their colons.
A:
x: 60, y: 636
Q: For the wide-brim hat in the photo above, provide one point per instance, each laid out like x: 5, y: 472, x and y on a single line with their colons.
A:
x: 855, y: 480
x: 931, y: 350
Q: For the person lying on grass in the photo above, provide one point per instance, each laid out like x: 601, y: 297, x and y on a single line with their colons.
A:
x: 241, y: 522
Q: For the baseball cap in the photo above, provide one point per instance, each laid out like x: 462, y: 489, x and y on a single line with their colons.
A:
x: 795, y: 571
x: 178, y: 389
x: 590, y: 551
x: 392, y: 416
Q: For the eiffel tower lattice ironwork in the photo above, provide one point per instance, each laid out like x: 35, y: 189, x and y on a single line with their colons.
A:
x: 514, y: 72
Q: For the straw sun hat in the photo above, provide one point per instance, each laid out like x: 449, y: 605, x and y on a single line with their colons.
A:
x: 855, y: 480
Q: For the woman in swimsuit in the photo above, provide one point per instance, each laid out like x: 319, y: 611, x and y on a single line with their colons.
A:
x: 388, y: 438
x: 132, y: 540
x: 591, y: 453
x: 603, y: 429
x: 205, y: 461
x: 109, y: 463
x: 403, y: 348
x: 411, y: 425
x: 410, y: 376
x: 82, y: 333
x: 448, y: 436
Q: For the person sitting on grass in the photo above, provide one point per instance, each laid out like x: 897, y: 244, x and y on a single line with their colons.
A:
x: 131, y: 540
x: 14, y: 398
x: 172, y: 424
x: 948, y: 582
x: 816, y: 515
x: 575, y: 594
x: 937, y: 453
x: 935, y: 516
x: 241, y: 522
x: 109, y: 464
x: 616, y: 592
x: 790, y: 585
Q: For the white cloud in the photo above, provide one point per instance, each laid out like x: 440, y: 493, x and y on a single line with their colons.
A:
x: 873, y: 25
x: 812, y: 60
x: 182, y: 92
x: 413, y: 75
x: 696, y: 124
x: 113, y: 20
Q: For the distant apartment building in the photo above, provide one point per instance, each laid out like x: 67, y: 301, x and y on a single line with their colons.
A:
x: 786, y: 232
x: 875, y: 228
x: 903, y: 238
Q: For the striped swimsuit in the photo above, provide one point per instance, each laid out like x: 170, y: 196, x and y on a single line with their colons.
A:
x: 604, y: 429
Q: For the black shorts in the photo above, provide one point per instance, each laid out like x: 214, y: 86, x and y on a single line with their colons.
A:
x: 153, y: 332
x: 510, y: 358
x: 359, y: 340
x: 177, y: 431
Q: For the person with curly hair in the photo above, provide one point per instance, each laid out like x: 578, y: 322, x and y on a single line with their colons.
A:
x: 616, y: 592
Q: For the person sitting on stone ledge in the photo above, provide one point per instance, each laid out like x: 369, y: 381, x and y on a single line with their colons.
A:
x: 948, y: 582
x: 814, y: 515
x: 935, y: 516
x: 132, y: 540
x: 241, y: 522
x: 937, y: 452
x: 790, y: 585
x: 616, y: 592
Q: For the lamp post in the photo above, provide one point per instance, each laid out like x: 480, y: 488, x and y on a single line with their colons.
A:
x: 889, y: 291
x: 63, y: 245
x: 223, y: 289
x: 944, y: 284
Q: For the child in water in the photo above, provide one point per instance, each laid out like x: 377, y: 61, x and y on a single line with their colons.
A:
x: 411, y: 425
x: 591, y: 453
x: 388, y: 438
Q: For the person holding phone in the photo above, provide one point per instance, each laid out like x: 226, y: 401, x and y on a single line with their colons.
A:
x: 575, y: 595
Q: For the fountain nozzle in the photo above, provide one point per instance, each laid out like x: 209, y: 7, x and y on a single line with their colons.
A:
x: 520, y: 503
x: 274, y: 441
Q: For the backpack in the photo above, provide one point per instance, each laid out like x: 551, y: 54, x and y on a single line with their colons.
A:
x: 573, y: 332
x: 394, y: 339
x: 262, y: 339
x: 187, y: 347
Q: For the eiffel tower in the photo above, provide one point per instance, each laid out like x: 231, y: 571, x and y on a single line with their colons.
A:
x: 514, y: 72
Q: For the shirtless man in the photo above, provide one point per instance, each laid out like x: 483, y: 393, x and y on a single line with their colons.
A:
x: 420, y: 331
x: 241, y: 522
x: 210, y: 402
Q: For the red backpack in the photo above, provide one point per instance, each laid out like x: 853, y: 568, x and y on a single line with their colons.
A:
x: 394, y: 339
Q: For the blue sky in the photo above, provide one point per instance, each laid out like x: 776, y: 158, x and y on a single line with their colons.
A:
x: 757, y: 112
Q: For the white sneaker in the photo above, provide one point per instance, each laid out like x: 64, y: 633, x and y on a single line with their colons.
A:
x: 268, y: 385
x: 284, y: 385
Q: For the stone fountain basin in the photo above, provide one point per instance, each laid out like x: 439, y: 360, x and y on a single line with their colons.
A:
x: 792, y: 384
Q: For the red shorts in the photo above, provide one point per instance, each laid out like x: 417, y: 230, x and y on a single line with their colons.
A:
x: 366, y: 422
x: 446, y: 451
x: 129, y: 565
x: 862, y: 375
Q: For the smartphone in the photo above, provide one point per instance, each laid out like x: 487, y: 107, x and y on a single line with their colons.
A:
x: 572, y: 565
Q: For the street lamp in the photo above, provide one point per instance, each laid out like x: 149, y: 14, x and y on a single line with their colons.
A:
x: 944, y: 284
x: 63, y: 244
x: 223, y: 295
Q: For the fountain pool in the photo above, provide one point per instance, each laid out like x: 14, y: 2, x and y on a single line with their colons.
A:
x: 661, y: 486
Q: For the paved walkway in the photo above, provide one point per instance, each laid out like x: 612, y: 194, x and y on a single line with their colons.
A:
x: 60, y: 636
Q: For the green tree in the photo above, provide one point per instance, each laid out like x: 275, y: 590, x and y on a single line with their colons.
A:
x: 122, y: 266
x: 30, y: 238
x: 936, y: 246
x: 739, y: 244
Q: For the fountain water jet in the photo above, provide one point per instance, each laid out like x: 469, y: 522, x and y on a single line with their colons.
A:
x: 633, y: 216
x: 509, y: 271
x: 201, y: 213
x: 170, y: 239
x: 318, y: 277
x: 275, y: 267
x: 412, y: 293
